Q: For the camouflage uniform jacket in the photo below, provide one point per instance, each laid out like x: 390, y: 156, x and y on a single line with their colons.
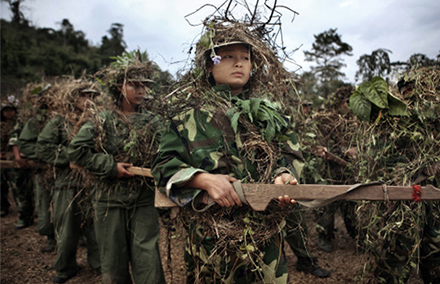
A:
x: 15, y: 133
x: 101, y: 161
x: 6, y: 129
x: 27, y: 141
x: 52, y: 148
x: 205, y: 142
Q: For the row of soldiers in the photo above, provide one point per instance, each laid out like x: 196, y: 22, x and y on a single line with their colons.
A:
x: 122, y: 229
x: 398, y: 149
x: 50, y: 117
x: 37, y: 134
x: 49, y: 108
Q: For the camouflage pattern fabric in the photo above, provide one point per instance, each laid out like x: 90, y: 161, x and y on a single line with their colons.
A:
x: 43, y: 177
x: 126, y: 221
x: 202, y: 140
x: 22, y: 183
x: 6, y: 129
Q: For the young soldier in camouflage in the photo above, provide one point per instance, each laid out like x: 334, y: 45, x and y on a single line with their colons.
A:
x: 22, y: 180
x: 43, y: 180
x: 71, y: 207
x: 8, y: 121
x: 126, y: 222
x: 209, y: 146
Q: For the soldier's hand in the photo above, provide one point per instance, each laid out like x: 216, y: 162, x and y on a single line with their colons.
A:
x: 219, y: 188
x: 122, y: 171
x: 285, y: 178
x: 22, y: 163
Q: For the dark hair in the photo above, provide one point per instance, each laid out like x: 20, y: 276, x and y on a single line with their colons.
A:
x: 5, y: 108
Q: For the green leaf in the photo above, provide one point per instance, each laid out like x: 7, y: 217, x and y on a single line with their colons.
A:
x: 250, y: 248
x: 263, y: 115
x: 270, y: 132
x: 246, y: 106
x: 234, y: 121
x: 230, y: 112
x: 376, y: 92
x: 205, y: 40
x: 397, y: 107
x: 36, y: 90
x: 360, y: 106
x: 255, y: 105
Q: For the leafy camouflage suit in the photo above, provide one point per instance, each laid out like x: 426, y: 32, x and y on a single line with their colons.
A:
x: 42, y: 185
x: 205, y: 142
x: 6, y: 128
x: 70, y: 203
x: 126, y: 223
x: 22, y: 184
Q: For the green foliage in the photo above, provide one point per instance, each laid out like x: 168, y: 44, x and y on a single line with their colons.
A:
x: 373, y: 98
x: 29, y: 54
x: 262, y: 113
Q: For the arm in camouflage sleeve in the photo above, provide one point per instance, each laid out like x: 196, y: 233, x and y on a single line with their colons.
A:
x: 170, y: 171
x: 49, y: 145
x: 15, y: 133
x: 292, y: 160
x: 81, y: 151
x: 27, y: 141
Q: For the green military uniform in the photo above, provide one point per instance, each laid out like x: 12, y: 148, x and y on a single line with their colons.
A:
x: 205, y: 142
x: 42, y: 180
x: 22, y: 186
x: 126, y: 223
x: 6, y: 128
x: 70, y: 201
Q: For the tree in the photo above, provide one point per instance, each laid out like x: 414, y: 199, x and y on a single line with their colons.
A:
x: 376, y: 64
x: 326, y: 52
x: 17, y: 15
x: 416, y: 60
x: 420, y: 60
x: 115, y: 45
x: 73, y: 38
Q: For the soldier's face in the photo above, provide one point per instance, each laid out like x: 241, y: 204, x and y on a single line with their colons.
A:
x: 134, y: 92
x: 234, y: 68
x: 9, y: 113
x: 84, y: 100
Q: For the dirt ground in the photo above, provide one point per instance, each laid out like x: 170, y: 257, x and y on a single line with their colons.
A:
x: 22, y: 261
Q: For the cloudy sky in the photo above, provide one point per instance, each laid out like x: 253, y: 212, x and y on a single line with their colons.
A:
x: 405, y: 27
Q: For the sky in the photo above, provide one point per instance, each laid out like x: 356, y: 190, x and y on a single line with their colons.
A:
x: 405, y: 27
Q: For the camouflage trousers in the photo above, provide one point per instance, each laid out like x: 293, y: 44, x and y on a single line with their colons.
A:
x: 209, y: 263
x: 43, y: 198
x: 4, y: 187
x: 22, y: 190
x: 395, y: 266
x: 297, y: 237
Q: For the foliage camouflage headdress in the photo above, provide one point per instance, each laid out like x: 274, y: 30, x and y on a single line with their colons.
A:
x: 37, y: 98
x: 65, y: 92
x: 262, y: 32
x: 130, y: 66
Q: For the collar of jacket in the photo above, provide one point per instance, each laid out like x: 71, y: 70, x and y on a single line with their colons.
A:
x: 225, y: 92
